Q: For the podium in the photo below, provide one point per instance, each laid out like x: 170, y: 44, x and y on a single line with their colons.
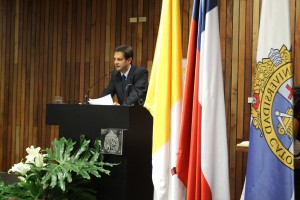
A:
x: 131, y: 179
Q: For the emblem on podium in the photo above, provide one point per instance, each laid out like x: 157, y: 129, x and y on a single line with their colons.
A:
x: 112, y: 141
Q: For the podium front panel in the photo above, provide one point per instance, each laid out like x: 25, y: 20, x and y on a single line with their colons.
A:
x: 131, y: 179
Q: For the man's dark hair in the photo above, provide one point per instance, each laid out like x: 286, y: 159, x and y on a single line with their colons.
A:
x: 127, y: 50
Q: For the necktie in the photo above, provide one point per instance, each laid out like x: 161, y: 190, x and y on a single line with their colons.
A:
x: 123, y: 82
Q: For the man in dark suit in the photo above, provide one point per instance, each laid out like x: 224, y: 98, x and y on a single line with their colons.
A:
x: 128, y: 82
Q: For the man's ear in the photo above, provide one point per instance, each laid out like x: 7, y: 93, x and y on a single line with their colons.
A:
x: 130, y: 60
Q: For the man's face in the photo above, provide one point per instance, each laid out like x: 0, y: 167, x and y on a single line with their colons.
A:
x: 121, y: 64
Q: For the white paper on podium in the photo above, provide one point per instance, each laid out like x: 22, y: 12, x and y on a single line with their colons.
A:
x: 106, y: 100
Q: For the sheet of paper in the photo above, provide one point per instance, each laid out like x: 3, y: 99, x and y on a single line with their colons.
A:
x: 243, y: 144
x: 106, y: 100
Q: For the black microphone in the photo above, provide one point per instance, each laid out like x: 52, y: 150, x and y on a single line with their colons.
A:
x: 87, y: 93
x: 140, y: 100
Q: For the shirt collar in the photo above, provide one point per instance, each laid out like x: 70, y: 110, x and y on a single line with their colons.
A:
x: 126, y: 73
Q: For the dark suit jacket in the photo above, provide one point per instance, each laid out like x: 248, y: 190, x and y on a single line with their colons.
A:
x: 138, y: 77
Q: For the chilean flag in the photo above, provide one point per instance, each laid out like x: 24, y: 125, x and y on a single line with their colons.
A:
x: 202, y: 163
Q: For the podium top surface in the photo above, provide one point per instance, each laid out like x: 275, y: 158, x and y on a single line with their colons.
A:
x: 104, y: 116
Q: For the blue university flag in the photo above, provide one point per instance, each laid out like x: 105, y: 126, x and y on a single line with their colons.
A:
x: 270, y: 169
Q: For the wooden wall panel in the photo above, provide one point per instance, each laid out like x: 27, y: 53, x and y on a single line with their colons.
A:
x: 234, y: 91
x: 51, y: 48
x: 3, y: 138
x: 295, y: 6
x: 61, y: 47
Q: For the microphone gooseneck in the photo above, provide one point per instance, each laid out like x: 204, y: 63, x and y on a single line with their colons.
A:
x: 140, y: 101
x: 86, y: 95
x: 125, y: 95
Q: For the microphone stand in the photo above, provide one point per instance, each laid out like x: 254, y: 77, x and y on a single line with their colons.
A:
x: 86, y: 97
x: 87, y: 93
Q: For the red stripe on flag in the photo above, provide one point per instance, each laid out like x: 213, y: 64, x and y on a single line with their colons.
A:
x: 186, y: 116
x: 189, y: 154
x: 206, y: 193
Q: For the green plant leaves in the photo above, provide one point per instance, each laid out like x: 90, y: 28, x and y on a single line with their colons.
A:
x: 67, y: 168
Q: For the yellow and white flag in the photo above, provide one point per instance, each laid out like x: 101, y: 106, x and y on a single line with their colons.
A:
x: 164, y: 102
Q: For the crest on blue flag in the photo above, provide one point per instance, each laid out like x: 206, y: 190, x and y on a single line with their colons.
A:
x: 272, y: 110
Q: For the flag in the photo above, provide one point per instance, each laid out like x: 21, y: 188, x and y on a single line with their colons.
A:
x: 270, y: 164
x: 163, y: 100
x: 202, y: 163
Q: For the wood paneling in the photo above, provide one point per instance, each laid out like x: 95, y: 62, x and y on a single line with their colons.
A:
x: 61, y: 47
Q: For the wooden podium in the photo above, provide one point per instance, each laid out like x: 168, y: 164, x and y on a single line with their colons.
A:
x: 131, y: 179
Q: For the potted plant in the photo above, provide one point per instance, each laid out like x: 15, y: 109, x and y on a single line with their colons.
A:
x: 58, y: 173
